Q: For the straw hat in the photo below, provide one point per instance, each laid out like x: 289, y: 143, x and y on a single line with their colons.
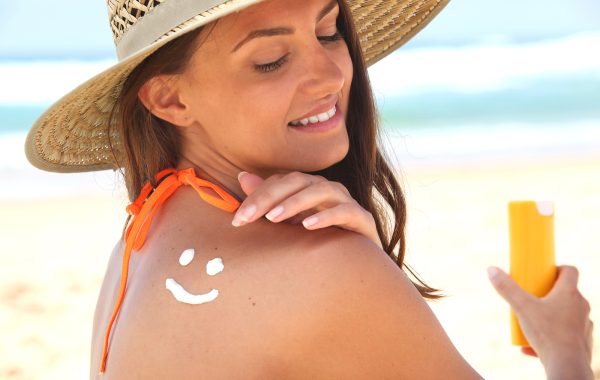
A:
x: 72, y: 135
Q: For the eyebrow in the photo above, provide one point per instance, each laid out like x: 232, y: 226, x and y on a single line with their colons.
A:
x: 282, y: 30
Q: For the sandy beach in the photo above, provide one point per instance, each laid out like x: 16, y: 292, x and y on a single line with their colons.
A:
x: 54, y: 251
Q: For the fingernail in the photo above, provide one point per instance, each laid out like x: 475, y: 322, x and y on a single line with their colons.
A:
x: 274, y: 213
x: 241, y: 175
x: 243, y: 215
x: 237, y: 223
x: 492, y: 272
x: 310, y: 221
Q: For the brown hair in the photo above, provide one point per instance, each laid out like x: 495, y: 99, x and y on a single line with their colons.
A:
x: 152, y: 144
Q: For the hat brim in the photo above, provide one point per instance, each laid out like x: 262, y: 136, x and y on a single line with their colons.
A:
x: 73, y: 135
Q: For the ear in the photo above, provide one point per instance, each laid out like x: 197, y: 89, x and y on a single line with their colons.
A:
x: 161, y: 97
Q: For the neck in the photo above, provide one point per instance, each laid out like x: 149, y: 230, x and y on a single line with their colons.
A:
x: 226, y: 179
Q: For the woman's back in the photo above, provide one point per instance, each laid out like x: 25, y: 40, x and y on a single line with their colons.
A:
x: 291, y: 303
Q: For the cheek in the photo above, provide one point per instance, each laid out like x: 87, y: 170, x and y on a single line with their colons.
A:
x: 231, y: 105
x: 262, y: 105
x: 347, y: 68
x: 251, y: 126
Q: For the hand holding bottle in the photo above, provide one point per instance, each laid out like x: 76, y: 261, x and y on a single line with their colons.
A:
x: 557, y: 325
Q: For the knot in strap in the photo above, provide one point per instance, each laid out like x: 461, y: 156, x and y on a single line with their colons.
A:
x: 218, y: 197
x: 186, y: 176
x: 133, y: 209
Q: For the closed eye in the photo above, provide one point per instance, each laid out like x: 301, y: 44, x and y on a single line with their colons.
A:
x: 334, y: 37
x: 273, y: 66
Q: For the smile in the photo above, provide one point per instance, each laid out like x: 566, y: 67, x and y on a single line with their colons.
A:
x: 184, y: 296
x: 315, y: 118
x: 213, y: 267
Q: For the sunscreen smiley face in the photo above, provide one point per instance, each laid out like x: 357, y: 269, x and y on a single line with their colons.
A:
x: 213, y: 267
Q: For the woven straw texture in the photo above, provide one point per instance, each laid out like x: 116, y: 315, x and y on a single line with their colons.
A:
x: 122, y: 14
x: 72, y: 135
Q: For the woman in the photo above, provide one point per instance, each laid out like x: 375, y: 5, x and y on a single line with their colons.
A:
x: 273, y: 90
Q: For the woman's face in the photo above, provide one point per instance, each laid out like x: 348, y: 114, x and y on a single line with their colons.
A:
x: 258, y: 72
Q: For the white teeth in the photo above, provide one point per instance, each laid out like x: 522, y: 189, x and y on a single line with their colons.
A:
x: 323, y: 117
x: 316, y: 118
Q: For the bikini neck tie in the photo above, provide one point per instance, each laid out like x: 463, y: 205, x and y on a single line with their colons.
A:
x: 141, y: 213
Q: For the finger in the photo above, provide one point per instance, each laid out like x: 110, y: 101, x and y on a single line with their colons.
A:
x: 249, y: 182
x: 346, y: 215
x: 529, y: 351
x: 319, y: 196
x: 269, y: 193
x: 567, y: 277
x: 508, y: 288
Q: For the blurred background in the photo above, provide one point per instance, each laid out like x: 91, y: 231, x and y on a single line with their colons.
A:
x: 494, y: 101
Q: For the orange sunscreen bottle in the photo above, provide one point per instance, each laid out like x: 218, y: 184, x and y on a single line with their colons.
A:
x: 532, y: 263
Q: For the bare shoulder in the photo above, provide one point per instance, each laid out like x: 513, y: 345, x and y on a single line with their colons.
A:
x: 369, y: 321
x: 203, y: 294
x: 268, y: 300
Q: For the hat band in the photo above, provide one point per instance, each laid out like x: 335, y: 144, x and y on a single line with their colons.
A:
x: 158, y: 21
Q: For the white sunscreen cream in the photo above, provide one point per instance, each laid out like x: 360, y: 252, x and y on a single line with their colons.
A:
x: 186, y: 257
x: 184, y: 296
x: 213, y: 267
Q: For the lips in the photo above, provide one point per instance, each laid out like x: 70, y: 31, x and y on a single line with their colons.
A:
x: 331, y: 123
x: 325, y: 110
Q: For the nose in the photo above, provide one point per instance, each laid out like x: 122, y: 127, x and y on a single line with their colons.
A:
x: 323, y: 73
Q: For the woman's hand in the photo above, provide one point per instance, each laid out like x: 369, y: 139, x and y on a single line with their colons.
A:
x: 557, y: 325
x: 298, y: 197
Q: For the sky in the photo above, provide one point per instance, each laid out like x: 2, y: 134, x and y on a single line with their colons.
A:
x: 67, y: 29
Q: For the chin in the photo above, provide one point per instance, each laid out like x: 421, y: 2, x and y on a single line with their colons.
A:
x: 324, y: 161
x: 312, y: 157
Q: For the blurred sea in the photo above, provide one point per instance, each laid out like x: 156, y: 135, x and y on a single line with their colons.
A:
x: 438, y: 105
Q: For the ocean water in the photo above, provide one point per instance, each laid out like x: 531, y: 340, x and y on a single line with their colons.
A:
x: 437, y: 105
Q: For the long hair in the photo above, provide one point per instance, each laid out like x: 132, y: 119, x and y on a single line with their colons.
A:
x: 151, y: 144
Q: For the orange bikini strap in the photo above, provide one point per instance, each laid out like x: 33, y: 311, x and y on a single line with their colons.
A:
x: 143, y: 210
x: 135, y: 207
